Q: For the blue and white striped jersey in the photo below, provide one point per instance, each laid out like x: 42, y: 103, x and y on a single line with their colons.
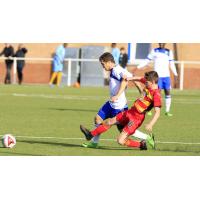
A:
x: 116, y: 77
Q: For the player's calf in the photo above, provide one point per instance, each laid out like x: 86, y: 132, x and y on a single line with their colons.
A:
x: 125, y: 141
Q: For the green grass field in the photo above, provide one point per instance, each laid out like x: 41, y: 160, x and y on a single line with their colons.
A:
x: 46, y: 122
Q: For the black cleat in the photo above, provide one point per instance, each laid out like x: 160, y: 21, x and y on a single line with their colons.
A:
x: 143, y: 145
x: 86, y: 132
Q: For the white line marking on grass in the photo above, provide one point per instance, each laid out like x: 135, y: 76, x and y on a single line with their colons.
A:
x: 58, y: 138
x: 66, y: 97
x: 64, y: 138
x: 185, y: 143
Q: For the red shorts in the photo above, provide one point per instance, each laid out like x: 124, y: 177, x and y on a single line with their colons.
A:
x: 131, y: 120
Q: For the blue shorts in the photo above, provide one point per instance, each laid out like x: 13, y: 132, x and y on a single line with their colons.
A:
x: 164, y: 83
x: 108, y: 112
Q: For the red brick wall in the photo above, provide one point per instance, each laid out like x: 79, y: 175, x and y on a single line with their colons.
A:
x: 33, y: 73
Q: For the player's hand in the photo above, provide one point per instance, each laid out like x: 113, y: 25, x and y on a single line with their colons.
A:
x: 125, y: 77
x: 114, y: 98
x: 134, y: 69
x: 148, y: 127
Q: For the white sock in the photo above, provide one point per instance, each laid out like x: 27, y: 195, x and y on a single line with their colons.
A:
x: 168, y: 103
x: 140, y: 135
x: 95, y: 139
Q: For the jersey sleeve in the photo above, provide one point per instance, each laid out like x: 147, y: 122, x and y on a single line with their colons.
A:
x: 171, y: 56
x: 157, y: 100
x: 143, y: 80
x: 119, y: 73
x: 126, y: 73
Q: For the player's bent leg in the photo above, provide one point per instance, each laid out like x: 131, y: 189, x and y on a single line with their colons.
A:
x: 124, y: 140
x: 99, y: 130
x: 147, y: 137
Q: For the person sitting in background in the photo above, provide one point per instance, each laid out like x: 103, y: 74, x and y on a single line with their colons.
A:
x: 123, y: 58
x: 20, y: 53
x: 58, y: 61
x: 8, y: 52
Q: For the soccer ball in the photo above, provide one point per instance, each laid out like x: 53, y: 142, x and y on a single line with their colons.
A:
x: 8, y: 141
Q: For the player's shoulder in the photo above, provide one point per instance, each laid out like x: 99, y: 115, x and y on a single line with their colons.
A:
x: 157, y: 92
x: 162, y: 50
x: 118, y: 69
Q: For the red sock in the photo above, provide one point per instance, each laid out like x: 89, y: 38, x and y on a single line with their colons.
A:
x: 100, y: 129
x: 132, y: 143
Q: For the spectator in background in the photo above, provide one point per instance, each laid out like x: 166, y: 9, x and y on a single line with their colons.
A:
x: 58, y: 62
x: 20, y: 53
x: 115, y: 52
x: 123, y: 58
x: 8, y: 52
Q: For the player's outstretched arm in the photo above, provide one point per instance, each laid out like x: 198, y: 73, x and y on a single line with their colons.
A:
x: 134, y: 78
x: 143, y: 64
x: 150, y: 125
x: 139, y: 86
x: 137, y: 82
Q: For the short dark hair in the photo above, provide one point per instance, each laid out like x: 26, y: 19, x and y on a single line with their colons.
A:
x: 106, y: 57
x: 151, y: 76
x: 113, y: 45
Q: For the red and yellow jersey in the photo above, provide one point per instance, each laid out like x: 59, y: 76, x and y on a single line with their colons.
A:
x: 149, y: 99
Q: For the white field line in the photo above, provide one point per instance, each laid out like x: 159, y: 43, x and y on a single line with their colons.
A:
x: 64, y: 138
x: 65, y: 97
x: 86, y: 98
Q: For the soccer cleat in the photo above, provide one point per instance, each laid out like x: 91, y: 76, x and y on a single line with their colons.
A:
x: 90, y: 145
x: 143, y: 145
x: 151, y: 142
x: 149, y: 113
x: 168, y: 114
x: 86, y: 132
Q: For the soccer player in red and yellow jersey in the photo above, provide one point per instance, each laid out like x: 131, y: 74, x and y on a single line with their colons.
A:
x: 133, y: 118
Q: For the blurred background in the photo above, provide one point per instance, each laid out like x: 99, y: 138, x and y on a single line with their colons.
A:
x: 85, y: 66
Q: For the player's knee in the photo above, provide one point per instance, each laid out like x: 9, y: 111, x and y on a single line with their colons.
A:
x: 121, y: 140
x: 167, y: 92
x: 97, y: 120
